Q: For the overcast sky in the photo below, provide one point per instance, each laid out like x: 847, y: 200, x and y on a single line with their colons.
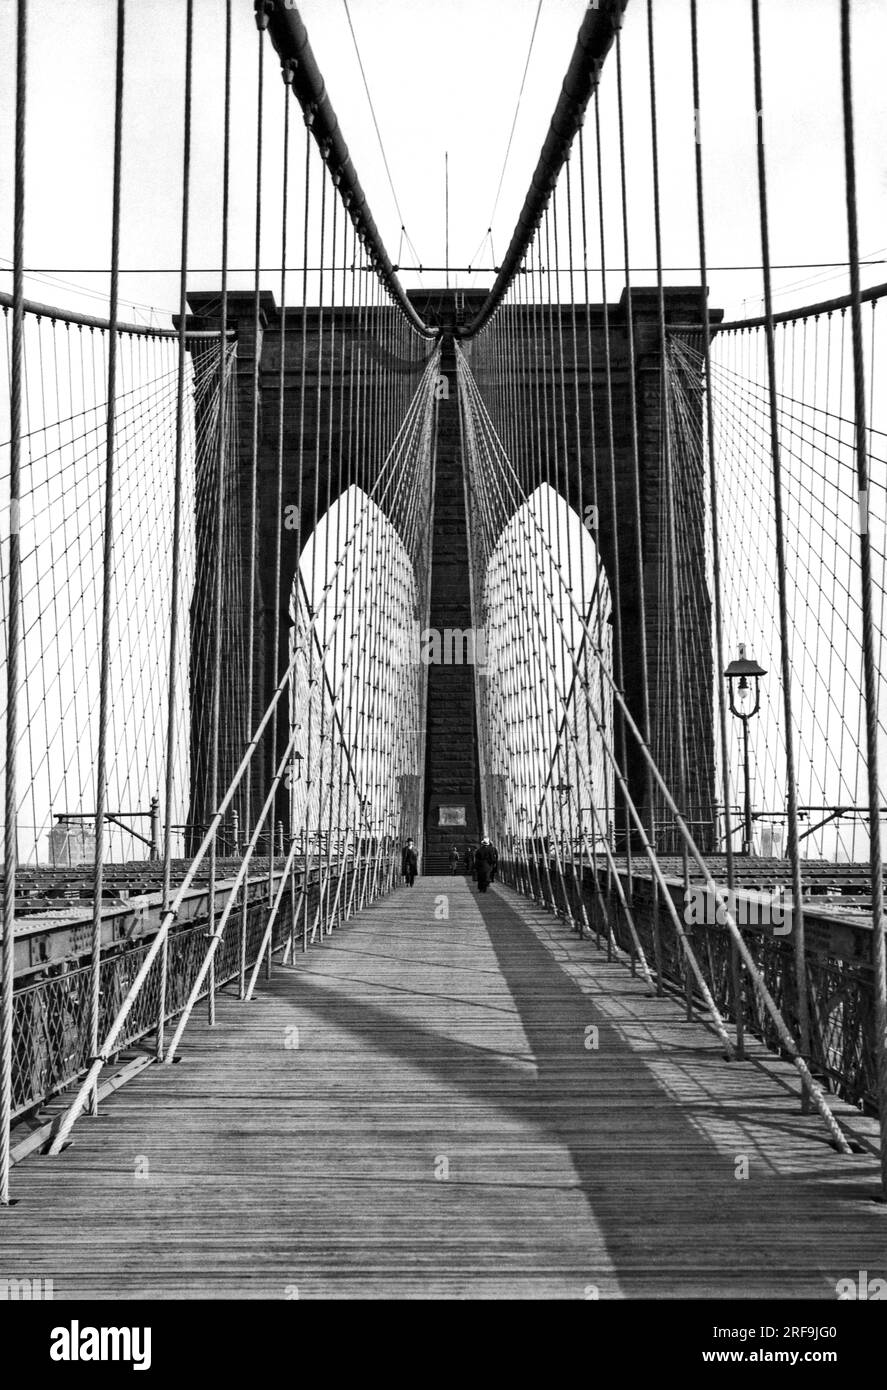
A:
x: 445, y: 77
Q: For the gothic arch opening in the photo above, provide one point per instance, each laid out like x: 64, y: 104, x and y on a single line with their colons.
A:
x: 546, y: 707
x: 355, y: 690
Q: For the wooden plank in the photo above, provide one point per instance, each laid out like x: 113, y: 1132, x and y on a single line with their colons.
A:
x: 271, y: 1160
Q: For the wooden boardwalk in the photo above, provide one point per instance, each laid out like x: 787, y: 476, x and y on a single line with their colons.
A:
x: 437, y: 1126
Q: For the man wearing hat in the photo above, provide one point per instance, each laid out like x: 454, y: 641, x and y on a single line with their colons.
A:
x: 486, y: 861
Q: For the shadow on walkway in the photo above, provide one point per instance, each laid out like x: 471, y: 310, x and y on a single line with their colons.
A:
x: 674, y: 1216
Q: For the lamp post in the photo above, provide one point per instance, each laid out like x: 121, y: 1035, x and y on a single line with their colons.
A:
x: 738, y: 674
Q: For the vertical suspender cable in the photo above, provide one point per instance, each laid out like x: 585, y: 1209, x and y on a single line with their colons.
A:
x: 328, y: 580
x: 870, y: 671
x: 564, y: 796
x: 791, y: 788
x: 277, y: 597
x: 549, y: 616
x: 10, y: 849
x: 447, y: 217
x: 340, y: 769
x: 596, y: 530
x: 635, y: 458
x: 107, y: 559
x: 253, y: 496
x: 221, y: 443
x: 300, y: 606
x: 578, y: 870
x: 736, y: 966
x: 616, y: 587
x: 314, y: 634
x: 325, y: 734
x: 176, y: 525
x: 667, y: 462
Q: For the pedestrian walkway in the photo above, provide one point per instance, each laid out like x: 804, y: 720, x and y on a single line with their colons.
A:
x: 452, y: 1096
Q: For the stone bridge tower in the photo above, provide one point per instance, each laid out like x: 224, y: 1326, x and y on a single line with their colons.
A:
x: 452, y: 792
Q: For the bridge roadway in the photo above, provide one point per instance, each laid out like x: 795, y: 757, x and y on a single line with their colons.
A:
x: 442, y: 1130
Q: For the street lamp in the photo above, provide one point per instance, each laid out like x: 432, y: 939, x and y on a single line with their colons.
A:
x: 738, y: 674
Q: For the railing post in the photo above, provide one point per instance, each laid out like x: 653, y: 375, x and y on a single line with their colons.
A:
x: 155, y: 827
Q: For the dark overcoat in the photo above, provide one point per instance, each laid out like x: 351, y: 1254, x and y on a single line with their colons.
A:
x: 409, y: 863
x: 485, y: 861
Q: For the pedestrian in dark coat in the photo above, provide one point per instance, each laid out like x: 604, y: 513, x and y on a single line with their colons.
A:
x: 454, y: 859
x: 409, y: 863
x: 486, y: 861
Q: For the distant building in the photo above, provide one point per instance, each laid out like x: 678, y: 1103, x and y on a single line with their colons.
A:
x: 71, y: 842
x: 771, y: 841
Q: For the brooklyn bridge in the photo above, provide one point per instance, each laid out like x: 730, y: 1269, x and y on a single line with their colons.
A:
x: 549, y: 551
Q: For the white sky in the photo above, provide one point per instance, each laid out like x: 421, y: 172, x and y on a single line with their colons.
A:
x: 445, y: 76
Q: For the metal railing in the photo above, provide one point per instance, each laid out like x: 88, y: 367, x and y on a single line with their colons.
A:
x: 51, y: 1019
